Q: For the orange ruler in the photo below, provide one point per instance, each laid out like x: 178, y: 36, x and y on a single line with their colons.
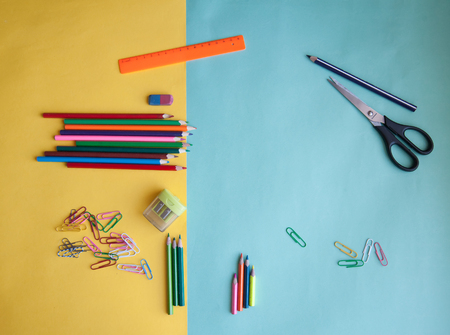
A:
x: 183, y: 54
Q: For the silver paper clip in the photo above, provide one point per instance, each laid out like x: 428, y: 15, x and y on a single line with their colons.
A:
x: 368, y: 246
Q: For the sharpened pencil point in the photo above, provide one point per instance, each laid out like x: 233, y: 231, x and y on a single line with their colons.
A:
x: 308, y: 56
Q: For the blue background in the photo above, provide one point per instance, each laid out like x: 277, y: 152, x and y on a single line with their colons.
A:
x: 278, y: 146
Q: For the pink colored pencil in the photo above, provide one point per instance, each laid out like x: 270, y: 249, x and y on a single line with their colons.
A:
x: 117, y: 138
x: 234, y: 295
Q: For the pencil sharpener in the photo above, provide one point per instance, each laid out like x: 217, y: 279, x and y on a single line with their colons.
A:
x: 164, y: 210
x: 160, y: 99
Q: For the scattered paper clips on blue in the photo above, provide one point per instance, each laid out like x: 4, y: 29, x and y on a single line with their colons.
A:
x: 352, y: 263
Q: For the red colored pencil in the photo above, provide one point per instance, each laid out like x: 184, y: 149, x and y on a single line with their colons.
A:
x: 107, y: 154
x: 126, y: 166
x: 106, y: 116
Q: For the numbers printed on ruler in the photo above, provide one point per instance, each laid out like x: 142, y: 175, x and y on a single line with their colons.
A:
x: 184, y: 54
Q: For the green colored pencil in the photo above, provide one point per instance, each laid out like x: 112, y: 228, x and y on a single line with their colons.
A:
x: 117, y: 149
x: 169, y: 275
x: 127, y: 122
x: 180, y: 273
x: 132, y: 144
x: 174, y: 273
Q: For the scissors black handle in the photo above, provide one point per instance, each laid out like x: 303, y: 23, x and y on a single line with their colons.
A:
x: 390, y: 128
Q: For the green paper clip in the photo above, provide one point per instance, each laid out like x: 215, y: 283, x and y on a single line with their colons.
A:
x: 292, y: 234
x: 350, y: 263
x: 112, y: 223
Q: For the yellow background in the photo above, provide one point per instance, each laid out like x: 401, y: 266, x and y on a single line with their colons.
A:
x: 62, y: 56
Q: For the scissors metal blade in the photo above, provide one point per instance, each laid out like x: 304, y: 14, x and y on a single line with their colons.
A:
x: 373, y: 116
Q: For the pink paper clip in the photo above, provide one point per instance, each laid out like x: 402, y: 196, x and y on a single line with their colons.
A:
x: 131, y: 268
x: 91, y: 245
x: 107, y: 215
x: 383, y: 258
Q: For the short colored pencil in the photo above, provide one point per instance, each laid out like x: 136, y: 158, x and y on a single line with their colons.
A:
x: 116, y: 149
x: 241, y: 284
x: 106, y: 116
x: 132, y: 144
x: 169, y: 275
x: 175, y: 273
x: 251, y: 298
x: 127, y: 122
x: 124, y: 127
x: 125, y: 133
x: 106, y: 154
x: 126, y: 166
x: 117, y: 138
x: 246, y: 282
x: 234, y: 295
x: 180, y: 273
x: 101, y: 160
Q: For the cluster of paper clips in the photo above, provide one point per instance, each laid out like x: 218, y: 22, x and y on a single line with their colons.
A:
x: 355, y: 263
x: 120, y: 245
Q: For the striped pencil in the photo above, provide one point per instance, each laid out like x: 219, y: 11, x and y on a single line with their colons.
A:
x: 125, y: 127
x: 240, y: 301
x: 126, y: 166
x: 234, y: 295
x: 106, y: 116
x: 117, y: 138
x: 115, y: 149
x: 132, y: 144
x: 106, y: 154
x: 125, y: 122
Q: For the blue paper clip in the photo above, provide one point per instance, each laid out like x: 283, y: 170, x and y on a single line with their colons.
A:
x: 368, y: 246
x: 351, y: 263
x: 147, y: 269
x: 296, y: 238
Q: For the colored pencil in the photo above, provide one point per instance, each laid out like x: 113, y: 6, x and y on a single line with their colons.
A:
x: 126, y: 166
x: 241, y: 284
x: 180, y: 273
x: 101, y: 160
x: 123, y: 127
x: 359, y: 81
x: 175, y: 273
x: 246, y: 282
x: 107, y: 154
x: 169, y: 275
x: 125, y: 133
x: 115, y: 149
x: 132, y: 144
x: 117, y: 138
x: 129, y: 122
x: 234, y: 295
x: 106, y: 116
x: 252, y: 288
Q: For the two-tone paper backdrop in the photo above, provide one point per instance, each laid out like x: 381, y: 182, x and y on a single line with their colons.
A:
x: 278, y: 146
x: 62, y: 56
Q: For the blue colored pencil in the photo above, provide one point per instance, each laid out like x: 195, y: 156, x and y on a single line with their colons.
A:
x: 101, y: 160
x: 246, y: 281
x: 125, y: 133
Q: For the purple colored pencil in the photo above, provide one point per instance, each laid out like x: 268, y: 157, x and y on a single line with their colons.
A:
x: 125, y: 133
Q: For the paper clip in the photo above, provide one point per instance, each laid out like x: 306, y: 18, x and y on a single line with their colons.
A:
x: 71, y: 253
x: 383, y: 257
x: 103, y: 264
x: 106, y: 255
x: 70, y: 228
x: 94, y: 228
x: 75, y: 215
x: 292, y: 234
x: 367, y: 247
x: 131, y: 268
x: 147, y: 269
x: 112, y: 223
x: 350, y: 263
x: 119, y: 244
x: 107, y: 215
x: 91, y: 245
x: 350, y: 253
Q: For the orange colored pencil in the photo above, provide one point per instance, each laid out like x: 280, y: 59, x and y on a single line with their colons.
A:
x: 126, y: 127
x: 240, y: 303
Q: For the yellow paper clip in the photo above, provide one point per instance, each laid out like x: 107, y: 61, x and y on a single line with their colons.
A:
x: 351, y: 253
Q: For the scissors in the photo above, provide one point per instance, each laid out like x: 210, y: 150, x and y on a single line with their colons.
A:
x: 388, y: 129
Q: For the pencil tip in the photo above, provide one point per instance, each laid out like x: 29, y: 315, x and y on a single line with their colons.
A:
x: 179, y: 236
x: 246, y: 257
x: 308, y: 56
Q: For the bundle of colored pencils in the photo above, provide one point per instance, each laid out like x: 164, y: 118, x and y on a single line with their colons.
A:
x: 175, y: 273
x: 119, y: 141
x: 243, y: 287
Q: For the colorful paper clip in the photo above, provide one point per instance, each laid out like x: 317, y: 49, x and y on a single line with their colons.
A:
x: 91, y: 245
x: 351, y: 263
x: 106, y: 255
x: 351, y: 253
x: 383, y: 258
x: 147, y: 269
x: 368, y: 246
x: 74, y: 215
x: 112, y: 222
x: 107, y: 215
x: 296, y: 238
x: 103, y: 264
x: 94, y: 228
x: 68, y: 228
x: 131, y: 268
